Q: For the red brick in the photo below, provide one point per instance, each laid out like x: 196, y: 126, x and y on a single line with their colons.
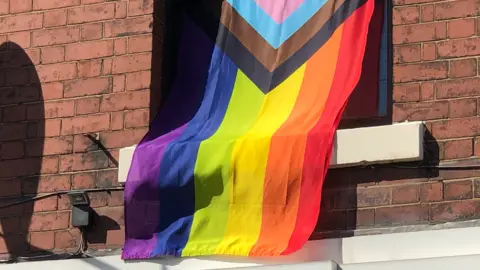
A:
x: 132, y: 63
x: 107, y: 178
x: 431, y: 192
x: 461, y: 28
x: 477, y: 188
x: 458, y: 149
x: 21, y: 22
x: 4, y: 8
x: 64, y: 203
x: 115, y: 213
x: 116, y: 198
x: 116, y: 121
x: 10, y: 187
x: 51, y: 4
x: 454, y: 128
x: 49, y: 146
x: 91, y: 31
x: 85, y: 124
x: 420, y: 72
x: 30, y: 166
x: 57, y: 72
x: 19, y: 6
x: 84, y: 180
x: 107, y: 66
x: 15, y: 113
x: 128, y: 27
x: 406, y: 92
x: 19, y: 94
x: 52, y: 109
x: 119, y: 83
x: 122, y: 138
x: 458, y: 190
x: 140, y: 44
x: 406, y: 53
x: 406, y: 15
x: 92, y: 1
x: 419, y: 32
x: 368, y: 197
x: 53, y: 55
x: 89, y: 68
x: 454, y: 211
x: 10, y: 225
x: 137, y: 118
x: 463, y: 68
x: 427, y: 13
x: 116, y: 237
x: 13, y: 131
x: 86, y: 87
x: 405, y: 194
x: 138, y: 80
x: 87, y: 105
x: 81, y: 143
x: 42, y: 240
x: 458, y: 88
x: 44, y: 184
x: 401, y: 215
x: 12, y: 150
x: 45, y: 205
x: 49, y: 128
x: 22, y: 39
x: 67, y: 239
x: 456, y: 9
x: 462, y: 107
x: 409, y: 2
x: 140, y: 7
x: 459, y: 47
x: 91, y: 13
x: 88, y: 50
x: 120, y: 46
x: 49, y: 221
x: 83, y: 161
x: 429, y: 51
x: 98, y: 199
x: 16, y: 243
x: 55, y: 18
x: 121, y: 10
x: 54, y: 36
x: 125, y: 101
x: 420, y: 111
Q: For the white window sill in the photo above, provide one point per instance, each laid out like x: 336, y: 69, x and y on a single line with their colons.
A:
x: 382, y: 144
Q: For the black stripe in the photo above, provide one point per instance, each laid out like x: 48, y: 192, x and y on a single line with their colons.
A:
x: 246, y: 61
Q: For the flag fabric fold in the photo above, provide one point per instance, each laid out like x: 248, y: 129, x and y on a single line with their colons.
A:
x: 235, y: 161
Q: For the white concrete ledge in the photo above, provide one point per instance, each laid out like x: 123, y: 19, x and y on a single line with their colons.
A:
x: 382, y: 144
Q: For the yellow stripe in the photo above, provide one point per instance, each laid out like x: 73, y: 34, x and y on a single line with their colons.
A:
x: 248, y: 166
x: 212, y: 196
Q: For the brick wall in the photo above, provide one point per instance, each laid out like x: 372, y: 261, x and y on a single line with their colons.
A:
x: 67, y: 68
x: 436, y: 52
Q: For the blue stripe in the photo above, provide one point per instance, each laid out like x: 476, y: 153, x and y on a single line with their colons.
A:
x: 177, y: 191
x: 383, y: 80
x: 276, y: 34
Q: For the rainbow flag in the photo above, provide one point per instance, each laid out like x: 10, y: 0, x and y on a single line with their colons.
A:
x: 235, y: 161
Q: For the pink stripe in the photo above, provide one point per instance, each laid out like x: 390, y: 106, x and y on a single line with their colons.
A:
x: 279, y: 10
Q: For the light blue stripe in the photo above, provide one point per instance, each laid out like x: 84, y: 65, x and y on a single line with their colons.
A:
x: 383, y: 81
x: 276, y: 34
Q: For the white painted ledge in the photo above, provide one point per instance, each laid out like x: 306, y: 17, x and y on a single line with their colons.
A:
x: 382, y: 144
x: 442, y: 249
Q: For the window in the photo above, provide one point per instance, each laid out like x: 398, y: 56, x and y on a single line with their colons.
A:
x: 370, y: 102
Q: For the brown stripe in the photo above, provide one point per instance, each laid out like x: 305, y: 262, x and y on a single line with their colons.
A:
x: 272, y: 58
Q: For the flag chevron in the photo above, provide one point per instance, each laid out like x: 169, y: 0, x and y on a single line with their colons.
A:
x: 249, y: 64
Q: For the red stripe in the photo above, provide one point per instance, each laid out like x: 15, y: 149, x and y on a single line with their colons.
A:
x: 320, y: 138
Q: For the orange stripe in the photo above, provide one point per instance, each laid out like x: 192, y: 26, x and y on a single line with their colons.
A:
x: 284, y: 169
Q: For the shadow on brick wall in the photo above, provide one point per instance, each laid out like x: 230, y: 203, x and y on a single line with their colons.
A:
x: 377, y: 196
x: 22, y: 132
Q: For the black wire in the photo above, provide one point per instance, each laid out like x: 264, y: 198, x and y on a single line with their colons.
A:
x: 59, y: 193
